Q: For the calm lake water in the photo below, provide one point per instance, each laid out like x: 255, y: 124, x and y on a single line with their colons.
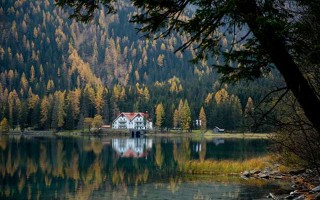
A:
x: 123, y: 168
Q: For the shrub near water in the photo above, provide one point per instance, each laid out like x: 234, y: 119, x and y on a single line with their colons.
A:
x: 226, y: 166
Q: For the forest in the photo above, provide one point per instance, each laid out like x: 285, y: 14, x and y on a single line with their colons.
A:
x: 56, y: 73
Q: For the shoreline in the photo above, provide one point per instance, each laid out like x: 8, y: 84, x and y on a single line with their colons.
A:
x: 124, y: 133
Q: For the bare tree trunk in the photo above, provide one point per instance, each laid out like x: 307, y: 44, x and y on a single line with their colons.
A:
x: 274, y: 44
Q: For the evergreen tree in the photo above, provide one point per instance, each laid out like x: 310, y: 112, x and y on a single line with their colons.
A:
x: 23, y: 115
x: 175, y: 118
x: 69, y: 121
x: 80, y: 125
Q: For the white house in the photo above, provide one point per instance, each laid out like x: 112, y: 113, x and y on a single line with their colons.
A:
x: 134, y: 120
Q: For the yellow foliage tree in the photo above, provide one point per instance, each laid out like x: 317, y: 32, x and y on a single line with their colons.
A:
x: 203, y: 119
x: 185, y: 116
x: 97, y: 121
x: 159, y: 115
x: 4, y: 126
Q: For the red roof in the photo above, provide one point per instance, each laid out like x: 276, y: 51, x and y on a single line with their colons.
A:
x: 132, y: 115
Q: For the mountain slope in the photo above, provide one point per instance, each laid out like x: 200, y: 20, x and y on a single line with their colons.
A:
x: 46, y: 59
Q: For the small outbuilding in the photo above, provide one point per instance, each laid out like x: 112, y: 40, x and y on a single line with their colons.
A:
x: 218, y: 130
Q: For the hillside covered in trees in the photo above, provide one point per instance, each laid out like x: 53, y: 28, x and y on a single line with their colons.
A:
x: 56, y: 73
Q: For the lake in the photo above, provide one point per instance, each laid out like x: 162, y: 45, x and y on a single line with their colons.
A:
x: 124, y: 168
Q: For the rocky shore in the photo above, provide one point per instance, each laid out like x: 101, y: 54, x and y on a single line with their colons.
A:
x: 305, y: 183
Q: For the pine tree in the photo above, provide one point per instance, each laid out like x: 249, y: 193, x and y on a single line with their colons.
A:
x: 69, y: 121
x: 80, y: 125
x: 175, y: 118
x: 23, y: 115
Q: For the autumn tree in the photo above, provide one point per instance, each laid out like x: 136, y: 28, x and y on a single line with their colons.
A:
x: 249, y: 107
x: 185, y: 116
x: 58, y: 112
x: 73, y: 100
x: 44, y: 112
x: 14, y: 108
x: 203, y: 119
x: 180, y: 108
x: 249, y: 114
x: 4, y: 125
x: 99, y: 99
x: 159, y: 157
x: 159, y: 115
x: 97, y: 121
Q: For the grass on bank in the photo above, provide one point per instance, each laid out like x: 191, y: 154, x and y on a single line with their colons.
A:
x: 227, y: 167
x: 209, y: 134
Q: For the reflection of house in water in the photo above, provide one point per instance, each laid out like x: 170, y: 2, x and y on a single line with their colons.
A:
x: 218, y: 141
x: 197, y: 146
x: 136, y: 148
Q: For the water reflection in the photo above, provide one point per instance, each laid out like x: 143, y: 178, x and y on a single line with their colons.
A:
x: 132, y: 147
x: 82, y: 168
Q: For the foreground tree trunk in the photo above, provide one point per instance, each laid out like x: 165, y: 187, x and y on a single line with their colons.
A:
x: 274, y: 44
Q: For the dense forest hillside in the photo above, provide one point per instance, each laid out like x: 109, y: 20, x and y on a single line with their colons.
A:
x: 56, y: 73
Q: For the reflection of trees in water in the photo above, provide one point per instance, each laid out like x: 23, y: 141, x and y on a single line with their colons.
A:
x: 202, y: 153
x: 174, y: 183
x: 3, y: 143
x: 159, y: 155
x: 75, y: 168
x: 181, y: 152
